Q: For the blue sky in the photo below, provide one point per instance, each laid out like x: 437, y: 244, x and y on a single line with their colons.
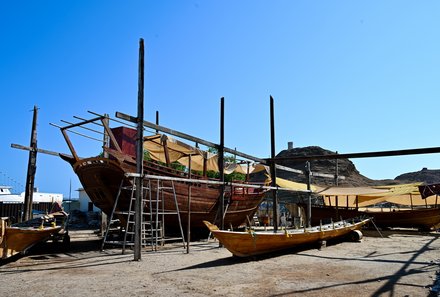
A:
x: 349, y: 76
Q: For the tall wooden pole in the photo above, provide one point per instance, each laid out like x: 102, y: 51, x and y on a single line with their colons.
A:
x: 188, y: 230
x: 32, y: 169
x: 337, y: 172
x: 139, y: 155
x: 309, y: 200
x: 221, y: 151
x: 273, y: 172
x: 106, y: 144
x: 157, y: 121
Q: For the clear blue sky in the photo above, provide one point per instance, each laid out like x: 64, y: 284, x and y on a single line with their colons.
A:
x: 349, y: 76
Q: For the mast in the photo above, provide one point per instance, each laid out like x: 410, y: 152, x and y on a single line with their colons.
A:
x: 221, y: 151
x: 32, y: 168
x: 139, y: 155
x: 273, y: 172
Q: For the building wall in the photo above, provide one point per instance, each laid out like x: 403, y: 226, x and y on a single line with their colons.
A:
x: 85, y: 204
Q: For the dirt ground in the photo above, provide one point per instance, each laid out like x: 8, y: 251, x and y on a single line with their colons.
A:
x: 400, y: 264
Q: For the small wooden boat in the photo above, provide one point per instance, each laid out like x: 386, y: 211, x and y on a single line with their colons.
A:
x: 251, y: 242
x: 389, y: 206
x: 20, y: 237
x: 421, y: 218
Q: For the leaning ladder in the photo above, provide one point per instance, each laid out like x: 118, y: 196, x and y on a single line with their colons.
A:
x: 153, y: 227
x: 157, y: 213
x: 128, y: 229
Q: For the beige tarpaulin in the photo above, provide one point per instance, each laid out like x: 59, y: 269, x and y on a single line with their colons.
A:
x: 197, y: 162
x: 406, y: 194
x: 179, y: 152
x: 245, y: 168
x: 288, y: 184
x: 176, y: 149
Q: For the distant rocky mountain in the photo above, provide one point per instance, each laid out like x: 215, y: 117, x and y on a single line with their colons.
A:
x: 346, y: 168
x: 429, y: 176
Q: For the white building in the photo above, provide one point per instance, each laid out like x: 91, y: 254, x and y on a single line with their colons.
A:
x: 85, y: 204
x: 7, y: 196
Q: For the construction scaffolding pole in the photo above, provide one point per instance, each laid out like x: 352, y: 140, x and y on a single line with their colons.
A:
x: 221, y: 152
x: 32, y: 169
x: 273, y: 172
x: 139, y: 155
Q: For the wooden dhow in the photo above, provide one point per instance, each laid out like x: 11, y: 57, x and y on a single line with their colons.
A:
x: 252, y: 243
x: 104, y: 176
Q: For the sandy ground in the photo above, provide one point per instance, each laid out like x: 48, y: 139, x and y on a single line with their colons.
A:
x: 400, y: 264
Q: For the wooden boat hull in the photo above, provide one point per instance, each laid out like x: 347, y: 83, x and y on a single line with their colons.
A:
x: 422, y: 218
x: 20, y: 237
x: 18, y: 240
x: 252, y: 243
x: 102, y: 177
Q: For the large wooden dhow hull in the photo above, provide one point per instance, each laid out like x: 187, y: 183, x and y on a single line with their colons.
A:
x: 421, y: 218
x: 252, y: 243
x: 101, y: 178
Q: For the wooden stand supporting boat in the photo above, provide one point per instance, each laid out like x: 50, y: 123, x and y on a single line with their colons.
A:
x: 19, y: 238
x: 251, y: 243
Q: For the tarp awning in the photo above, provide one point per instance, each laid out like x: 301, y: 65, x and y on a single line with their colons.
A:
x: 160, y: 144
x: 405, y: 194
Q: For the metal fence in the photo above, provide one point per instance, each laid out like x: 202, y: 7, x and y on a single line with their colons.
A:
x: 14, y: 210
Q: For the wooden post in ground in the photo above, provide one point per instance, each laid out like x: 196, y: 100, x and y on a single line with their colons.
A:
x: 188, y: 231
x: 309, y: 200
x: 139, y: 155
x: 221, y: 152
x: 273, y: 172
x: 106, y: 143
x: 32, y: 169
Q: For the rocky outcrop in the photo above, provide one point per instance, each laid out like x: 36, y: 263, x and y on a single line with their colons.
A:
x: 345, y: 168
x: 429, y: 176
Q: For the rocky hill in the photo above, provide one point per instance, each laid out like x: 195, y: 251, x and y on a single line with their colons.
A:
x: 429, y: 176
x: 346, y: 168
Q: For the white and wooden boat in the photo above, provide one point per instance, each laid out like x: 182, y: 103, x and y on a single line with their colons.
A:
x: 252, y: 243
x: 20, y: 237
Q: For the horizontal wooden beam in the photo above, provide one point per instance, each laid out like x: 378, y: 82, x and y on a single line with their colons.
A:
x: 28, y: 148
x: 150, y: 125
x: 419, y: 151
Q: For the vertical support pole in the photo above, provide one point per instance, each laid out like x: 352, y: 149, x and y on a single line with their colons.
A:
x: 157, y: 121
x: 221, y: 162
x: 309, y: 196
x: 337, y: 207
x: 337, y: 172
x: 188, y: 231
x: 32, y: 169
x: 139, y: 155
x: 106, y: 143
x: 273, y: 172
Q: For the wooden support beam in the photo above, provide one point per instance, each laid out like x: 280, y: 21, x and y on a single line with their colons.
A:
x: 139, y: 155
x: 273, y: 171
x: 417, y: 151
x: 28, y: 148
